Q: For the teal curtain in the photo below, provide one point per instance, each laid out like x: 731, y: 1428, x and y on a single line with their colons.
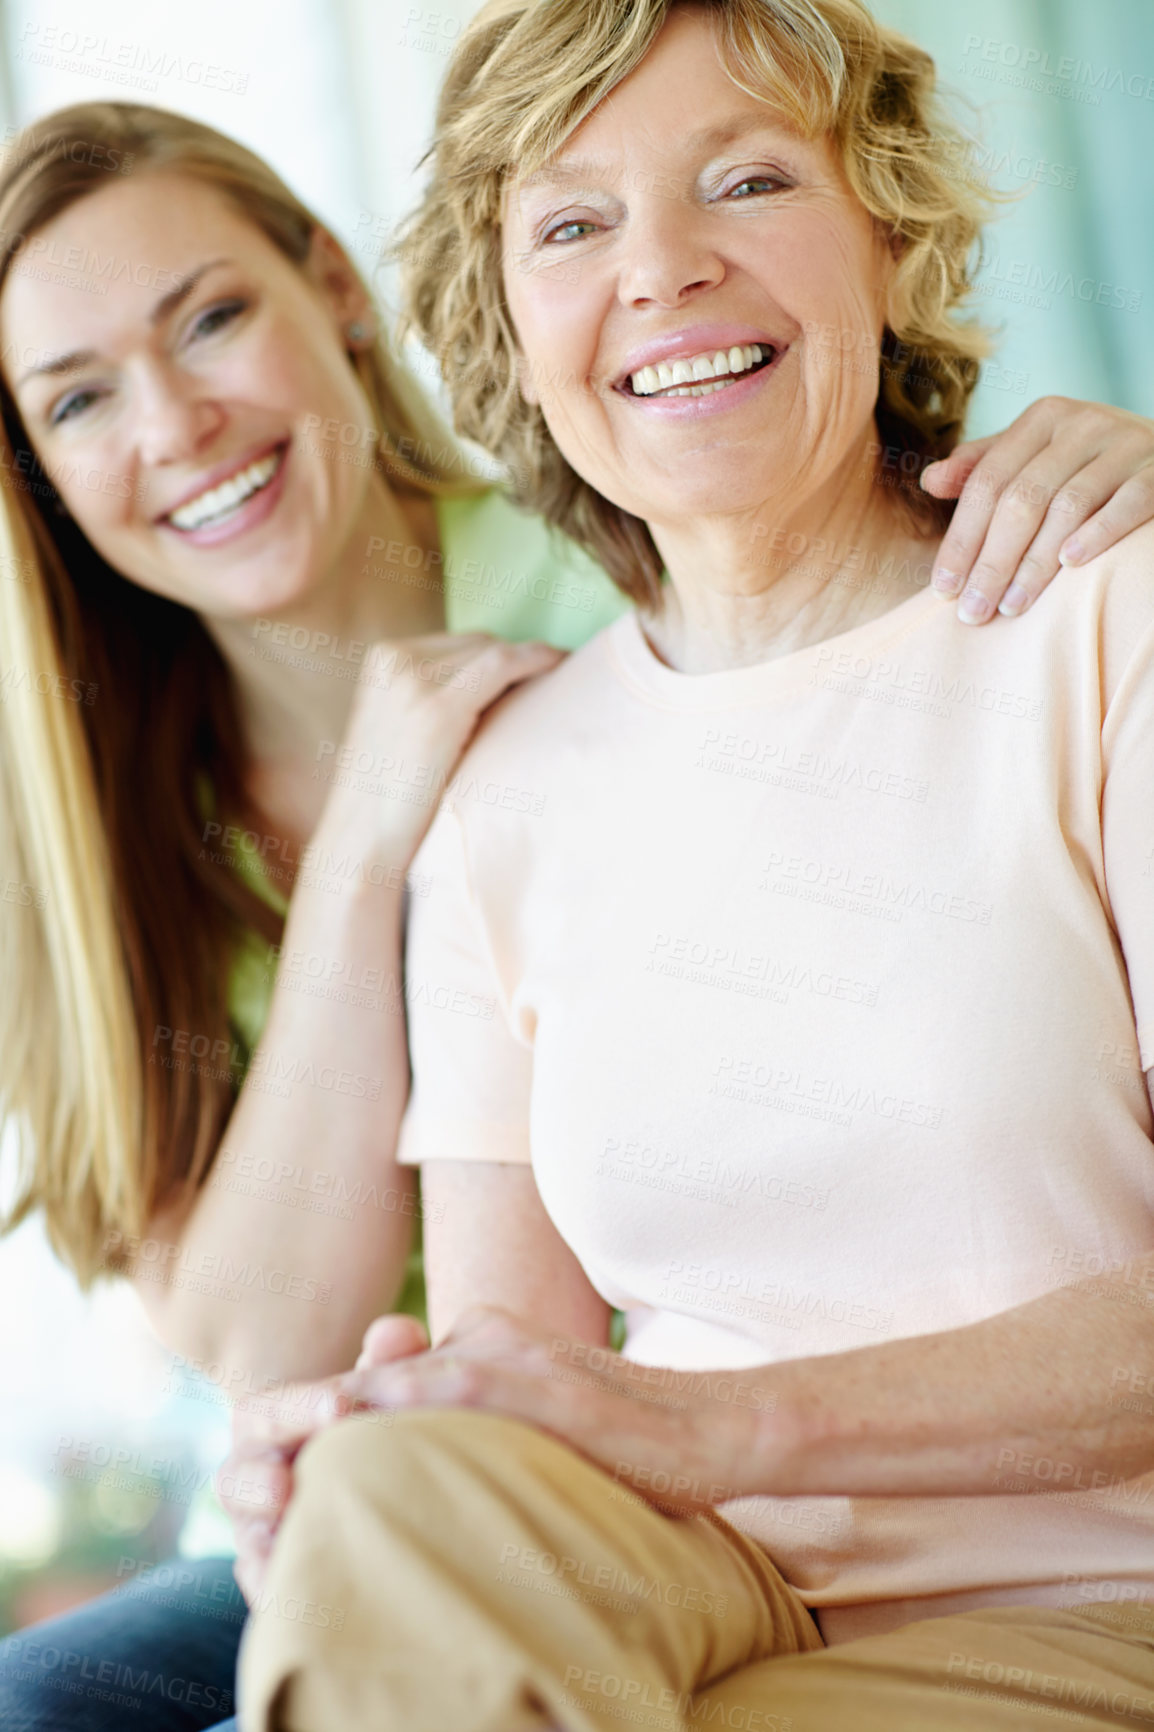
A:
x: 1059, y: 95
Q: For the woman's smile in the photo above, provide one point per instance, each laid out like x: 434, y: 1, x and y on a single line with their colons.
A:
x: 244, y: 495
x: 703, y: 381
x: 681, y: 376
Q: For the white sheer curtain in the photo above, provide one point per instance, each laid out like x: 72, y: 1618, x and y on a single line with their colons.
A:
x: 1061, y: 94
x: 273, y: 74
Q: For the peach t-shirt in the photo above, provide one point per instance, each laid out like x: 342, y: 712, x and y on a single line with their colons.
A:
x: 819, y: 994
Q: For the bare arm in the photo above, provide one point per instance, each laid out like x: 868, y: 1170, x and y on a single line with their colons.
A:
x: 490, y: 1242
x: 1055, y: 1395
x: 299, y: 1234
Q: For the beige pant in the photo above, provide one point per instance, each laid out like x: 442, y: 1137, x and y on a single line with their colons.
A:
x: 457, y: 1572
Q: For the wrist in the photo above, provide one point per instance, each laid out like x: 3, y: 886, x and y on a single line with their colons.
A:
x: 391, y: 799
x: 375, y: 847
x: 789, y: 1425
x: 346, y: 901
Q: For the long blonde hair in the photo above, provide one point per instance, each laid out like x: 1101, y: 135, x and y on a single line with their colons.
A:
x: 832, y: 69
x: 116, y: 710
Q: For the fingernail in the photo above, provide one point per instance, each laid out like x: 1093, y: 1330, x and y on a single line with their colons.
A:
x: 974, y: 607
x: 1072, y: 554
x: 1015, y: 601
x: 946, y: 582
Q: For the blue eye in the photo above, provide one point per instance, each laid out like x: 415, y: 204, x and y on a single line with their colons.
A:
x: 563, y: 230
x: 215, y: 318
x: 71, y: 406
x: 763, y: 182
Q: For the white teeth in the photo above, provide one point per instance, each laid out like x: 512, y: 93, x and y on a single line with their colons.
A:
x: 677, y: 378
x: 217, y: 502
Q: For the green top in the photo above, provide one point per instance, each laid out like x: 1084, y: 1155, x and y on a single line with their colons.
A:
x: 504, y: 572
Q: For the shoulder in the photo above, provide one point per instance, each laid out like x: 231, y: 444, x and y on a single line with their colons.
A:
x: 535, y: 728
x: 587, y: 675
x: 534, y: 752
x: 1080, y: 633
x: 1126, y: 570
x: 1111, y: 599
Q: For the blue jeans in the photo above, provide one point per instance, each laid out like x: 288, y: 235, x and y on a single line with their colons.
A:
x: 157, y: 1655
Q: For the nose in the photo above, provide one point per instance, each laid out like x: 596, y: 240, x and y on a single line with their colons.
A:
x: 670, y: 256
x: 174, y: 419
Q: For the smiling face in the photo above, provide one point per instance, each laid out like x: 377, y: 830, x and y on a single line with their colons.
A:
x: 687, y: 278
x: 178, y: 413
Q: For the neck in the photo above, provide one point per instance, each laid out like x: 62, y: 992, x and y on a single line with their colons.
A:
x: 750, y: 587
x: 295, y: 670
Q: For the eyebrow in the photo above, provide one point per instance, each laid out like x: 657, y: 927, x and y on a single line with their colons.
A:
x: 167, y: 304
x: 706, y: 138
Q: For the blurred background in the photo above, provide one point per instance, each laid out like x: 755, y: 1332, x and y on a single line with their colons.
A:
x: 107, y: 1444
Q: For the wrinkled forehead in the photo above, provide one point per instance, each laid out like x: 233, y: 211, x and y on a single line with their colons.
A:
x: 674, y: 111
x: 685, y: 76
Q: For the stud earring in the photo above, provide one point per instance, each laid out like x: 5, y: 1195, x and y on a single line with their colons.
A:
x: 359, y: 331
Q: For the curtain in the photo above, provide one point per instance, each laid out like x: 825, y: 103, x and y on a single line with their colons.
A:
x: 1060, y: 96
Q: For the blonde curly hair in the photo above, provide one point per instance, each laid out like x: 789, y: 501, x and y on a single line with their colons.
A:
x: 831, y: 69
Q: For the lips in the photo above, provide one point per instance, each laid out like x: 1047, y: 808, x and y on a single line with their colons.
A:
x: 708, y: 352
x: 700, y: 374
x: 225, y: 489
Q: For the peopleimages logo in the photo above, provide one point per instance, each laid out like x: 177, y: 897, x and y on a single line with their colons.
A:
x: 1023, y: 64
x: 1039, y: 281
x: 118, y: 61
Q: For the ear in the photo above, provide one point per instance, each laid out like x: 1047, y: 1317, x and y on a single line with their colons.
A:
x: 329, y: 270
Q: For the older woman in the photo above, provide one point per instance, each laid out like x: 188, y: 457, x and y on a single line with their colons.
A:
x: 804, y: 1000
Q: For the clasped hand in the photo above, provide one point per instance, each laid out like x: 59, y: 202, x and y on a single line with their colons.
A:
x: 682, y: 1439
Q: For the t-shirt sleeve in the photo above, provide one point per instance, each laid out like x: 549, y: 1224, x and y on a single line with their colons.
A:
x: 472, y: 1073
x: 1128, y: 829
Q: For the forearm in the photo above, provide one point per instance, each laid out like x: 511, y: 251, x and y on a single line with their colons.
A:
x: 491, y: 1242
x: 299, y: 1234
x: 1039, y: 1394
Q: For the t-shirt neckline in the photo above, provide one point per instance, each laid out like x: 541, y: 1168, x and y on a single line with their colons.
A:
x: 760, y: 682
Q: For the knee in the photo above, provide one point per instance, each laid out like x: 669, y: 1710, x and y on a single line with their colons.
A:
x: 373, y: 1533
x: 393, y: 1456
